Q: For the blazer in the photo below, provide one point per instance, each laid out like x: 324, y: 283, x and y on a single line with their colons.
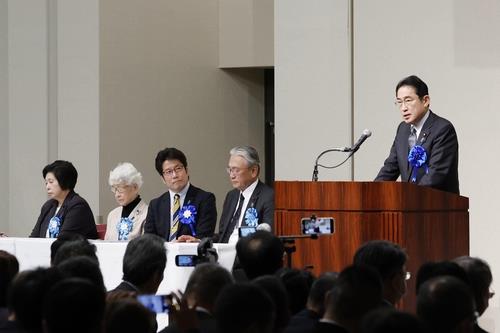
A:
x: 158, y: 217
x: 439, y: 139
x: 262, y: 200
x: 322, y: 327
x: 205, y: 320
x: 138, y: 216
x: 75, y: 214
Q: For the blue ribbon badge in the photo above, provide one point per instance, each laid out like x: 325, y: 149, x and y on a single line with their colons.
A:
x: 187, y: 216
x: 417, y: 158
x: 124, y: 228
x: 252, y: 217
x: 54, y: 227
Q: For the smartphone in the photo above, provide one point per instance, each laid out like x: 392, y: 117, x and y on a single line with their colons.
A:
x: 155, y: 303
x: 186, y: 260
x: 245, y: 231
x: 320, y: 225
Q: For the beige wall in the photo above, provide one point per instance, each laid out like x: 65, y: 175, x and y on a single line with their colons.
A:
x: 160, y: 86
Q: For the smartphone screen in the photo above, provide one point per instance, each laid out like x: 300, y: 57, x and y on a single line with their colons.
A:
x: 320, y: 225
x: 186, y: 260
x: 245, y: 231
x: 155, y: 303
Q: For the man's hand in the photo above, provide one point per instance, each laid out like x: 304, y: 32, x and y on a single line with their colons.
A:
x: 187, y: 239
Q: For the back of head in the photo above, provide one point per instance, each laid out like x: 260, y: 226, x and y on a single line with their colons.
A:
x: 355, y: 292
x: 386, y: 257
x: 446, y: 304
x: 260, y: 253
x: 389, y: 320
x: 26, y: 296
x: 244, y: 308
x: 276, y: 290
x: 479, y: 275
x: 74, y: 305
x: 9, y: 267
x: 144, y: 261
x: 61, y: 239
x: 431, y: 270
x: 318, y: 291
x: 75, y: 248
x: 297, y: 284
x: 82, y: 267
x: 206, y: 282
x: 128, y: 315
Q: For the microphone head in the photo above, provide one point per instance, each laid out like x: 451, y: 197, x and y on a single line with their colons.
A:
x: 367, y: 132
x: 264, y: 227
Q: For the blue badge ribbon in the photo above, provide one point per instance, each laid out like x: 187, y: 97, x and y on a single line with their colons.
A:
x: 418, y: 159
x: 252, y: 217
x: 124, y: 227
x: 54, y: 226
x: 187, y: 215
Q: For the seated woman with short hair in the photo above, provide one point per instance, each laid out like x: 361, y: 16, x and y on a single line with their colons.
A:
x: 126, y: 221
x: 65, y: 211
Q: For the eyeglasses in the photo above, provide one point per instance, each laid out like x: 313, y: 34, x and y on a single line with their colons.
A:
x: 407, y: 276
x: 119, y: 188
x: 406, y: 102
x: 235, y: 170
x: 170, y: 172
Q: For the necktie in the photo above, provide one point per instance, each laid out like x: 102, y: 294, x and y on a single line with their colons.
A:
x: 234, y: 220
x: 412, y: 139
x: 176, y: 207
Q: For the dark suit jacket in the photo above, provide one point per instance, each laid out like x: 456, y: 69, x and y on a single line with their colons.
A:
x: 75, y: 214
x: 206, y: 321
x: 158, y: 218
x: 439, y: 139
x: 303, y: 322
x: 262, y: 200
x: 322, y: 327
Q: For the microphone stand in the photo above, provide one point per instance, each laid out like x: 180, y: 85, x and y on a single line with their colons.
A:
x: 289, y: 244
x: 316, y: 164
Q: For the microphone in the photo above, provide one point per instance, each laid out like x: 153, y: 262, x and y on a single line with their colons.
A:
x: 366, y: 134
x: 264, y: 227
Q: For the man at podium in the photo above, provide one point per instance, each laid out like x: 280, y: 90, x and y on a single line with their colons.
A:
x: 425, y: 149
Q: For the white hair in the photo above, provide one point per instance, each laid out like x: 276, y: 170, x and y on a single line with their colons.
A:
x: 125, y: 173
x: 248, y: 153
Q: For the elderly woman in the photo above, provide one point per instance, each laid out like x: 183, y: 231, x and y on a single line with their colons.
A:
x: 65, y: 211
x: 126, y: 221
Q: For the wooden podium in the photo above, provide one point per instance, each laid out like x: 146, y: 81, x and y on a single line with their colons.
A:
x: 431, y: 225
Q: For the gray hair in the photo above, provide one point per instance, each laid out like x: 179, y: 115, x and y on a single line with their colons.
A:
x: 125, y: 173
x: 248, y: 153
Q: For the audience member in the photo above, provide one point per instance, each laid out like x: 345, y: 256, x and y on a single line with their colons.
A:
x: 9, y: 267
x: 297, y: 284
x: 203, y: 287
x: 244, y: 308
x: 82, y: 267
x: 306, y: 320
x: 143, y: 264
x: 480, y: 278
x: 76, y: 248
x: 74, y: 305
x: 26, y: 297
x: 390, y: 261
x: 276, y: 290
x: 432, y: 269
x: 356, y: 291
x: 389, y: 320
x: 260, y: 253
x: 60, y: 240
x: 445, y: 304
x: 128, y: 315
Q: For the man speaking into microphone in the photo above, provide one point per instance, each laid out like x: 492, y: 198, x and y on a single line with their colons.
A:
x: 425, y: 150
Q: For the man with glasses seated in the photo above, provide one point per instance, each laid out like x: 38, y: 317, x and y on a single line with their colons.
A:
x: 251, y: 202
x: 421, y: 131
x: 184, y: 212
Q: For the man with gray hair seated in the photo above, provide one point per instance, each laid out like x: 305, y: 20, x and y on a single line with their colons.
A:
x: 251, y: 202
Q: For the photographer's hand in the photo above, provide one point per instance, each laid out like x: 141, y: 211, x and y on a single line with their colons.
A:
x: 184, y: 317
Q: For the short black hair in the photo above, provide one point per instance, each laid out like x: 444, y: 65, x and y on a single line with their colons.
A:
x: 64, y: 172
x: 61, y: 239
x: 260, y: 253
x: 319, y: 289
x: 443, y: 302
x: 207, y: 281
x: 297, y: 284
x: 168, y: 154
x: 356, y: 291
x: 74, y: 305
x: 414, y: 81
x: 386, y: 257
x: 81, y: 247
x: 82, y: 267
x: 434, y: 269
x: 144, y: 256
x: 27, y: 293
x: 128, y: 315
x: 274, y: 287
x: 9, y: 267
x: 389, y: 320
